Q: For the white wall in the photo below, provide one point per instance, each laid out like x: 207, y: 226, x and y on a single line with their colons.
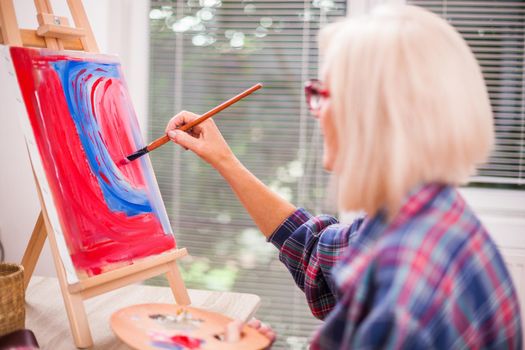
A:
x: 121, y: 27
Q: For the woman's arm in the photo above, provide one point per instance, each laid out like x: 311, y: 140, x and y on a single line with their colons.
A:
x: 309, y: 245
x: 267, y: 209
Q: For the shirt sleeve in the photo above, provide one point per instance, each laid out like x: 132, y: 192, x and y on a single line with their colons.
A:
x: 309, y: 246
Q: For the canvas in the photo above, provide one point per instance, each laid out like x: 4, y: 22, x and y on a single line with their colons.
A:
x: 79, y: 126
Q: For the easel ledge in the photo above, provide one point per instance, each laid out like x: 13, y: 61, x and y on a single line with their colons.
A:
x: 138, y: 271
x: 55, y: 33
x: 30, y: 38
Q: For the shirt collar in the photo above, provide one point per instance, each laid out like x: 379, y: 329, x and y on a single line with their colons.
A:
x: 417, y: 199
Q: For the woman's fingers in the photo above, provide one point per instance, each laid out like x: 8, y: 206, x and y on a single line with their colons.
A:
x: 267, y: 331
x: 180, y: 137
x: 233, y: 330
x: 254, y: 323
x: 262, y: 328
x: 184, y: 139
x: 204, y: 139
x: 180, y: 119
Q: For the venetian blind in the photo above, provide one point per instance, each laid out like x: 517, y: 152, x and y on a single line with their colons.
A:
x: 495, y: 31
x: 202, y: 53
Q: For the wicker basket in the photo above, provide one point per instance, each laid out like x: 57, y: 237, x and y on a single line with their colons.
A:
x: 12, y: 303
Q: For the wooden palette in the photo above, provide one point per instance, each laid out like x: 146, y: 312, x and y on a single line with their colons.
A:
x: 175, y: 327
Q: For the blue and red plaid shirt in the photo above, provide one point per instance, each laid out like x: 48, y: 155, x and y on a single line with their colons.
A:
x: 432, y: 278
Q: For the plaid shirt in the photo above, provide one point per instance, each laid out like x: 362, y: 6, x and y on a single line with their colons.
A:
x: 430, y: 279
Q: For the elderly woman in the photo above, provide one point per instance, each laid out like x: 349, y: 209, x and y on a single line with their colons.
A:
x: 405, y: 117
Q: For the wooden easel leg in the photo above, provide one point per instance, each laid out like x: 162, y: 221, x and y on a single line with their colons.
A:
x: 79, y: 16
x: 74, y: 302
x: 78, y: 321
x: 8, y: 24
x: 177, y: 285
x: 34, y: 248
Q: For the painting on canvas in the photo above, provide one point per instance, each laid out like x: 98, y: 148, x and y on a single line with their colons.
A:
x: 79, y: 126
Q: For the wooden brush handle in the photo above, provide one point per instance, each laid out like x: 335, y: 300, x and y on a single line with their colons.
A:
x: 158, y: 142
x: 163, y: 139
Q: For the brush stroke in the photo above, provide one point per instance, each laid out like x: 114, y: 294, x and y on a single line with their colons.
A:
x: 87, y: 88
x: 83, y: 124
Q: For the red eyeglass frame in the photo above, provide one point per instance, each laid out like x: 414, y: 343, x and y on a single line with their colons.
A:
x: 314, y: 87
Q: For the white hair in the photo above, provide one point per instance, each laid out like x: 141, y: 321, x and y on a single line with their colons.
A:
x: 409, y: 103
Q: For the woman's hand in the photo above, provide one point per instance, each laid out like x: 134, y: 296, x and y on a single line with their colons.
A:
x: 234, y: 329
x: 264, y: 329
x: 204, y: 139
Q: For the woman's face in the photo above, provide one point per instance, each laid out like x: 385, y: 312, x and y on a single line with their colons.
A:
x: 330, y: 134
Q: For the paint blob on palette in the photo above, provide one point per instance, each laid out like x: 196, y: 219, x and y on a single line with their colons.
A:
x: 108, y: 213
x: 175, y: 342
x: 182, y: 320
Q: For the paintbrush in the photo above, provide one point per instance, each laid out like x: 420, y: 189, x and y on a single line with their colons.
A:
x: 163, y: 139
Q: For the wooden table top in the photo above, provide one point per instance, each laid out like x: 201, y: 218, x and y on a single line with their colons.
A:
x: 46, y: 315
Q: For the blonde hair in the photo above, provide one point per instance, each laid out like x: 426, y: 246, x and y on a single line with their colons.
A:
x: 409, y: 103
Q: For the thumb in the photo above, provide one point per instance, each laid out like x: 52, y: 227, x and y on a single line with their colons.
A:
x: 184, y: 139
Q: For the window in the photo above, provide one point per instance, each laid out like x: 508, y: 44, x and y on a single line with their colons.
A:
x: 495, y: 31
x: 205, y: 51
x: 202, y: 53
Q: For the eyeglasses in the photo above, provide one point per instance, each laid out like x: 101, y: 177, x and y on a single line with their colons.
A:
x: 315, y: 93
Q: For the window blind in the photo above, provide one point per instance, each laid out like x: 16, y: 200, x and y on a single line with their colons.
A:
x: 495, y: 31
x: 202, y: 53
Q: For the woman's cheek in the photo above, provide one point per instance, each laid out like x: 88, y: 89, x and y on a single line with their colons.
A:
x: 328, y: 161
x: 330, y: 137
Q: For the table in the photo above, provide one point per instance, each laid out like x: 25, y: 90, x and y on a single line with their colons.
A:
x: 46, y: 315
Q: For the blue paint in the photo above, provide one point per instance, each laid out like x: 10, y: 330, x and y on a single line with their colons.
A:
x: 118, y: 193
x: 165, y: 345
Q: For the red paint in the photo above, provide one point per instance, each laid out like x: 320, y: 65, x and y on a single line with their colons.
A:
x: 116, y: 131
x: 98, y: 239
x: 186, y: 341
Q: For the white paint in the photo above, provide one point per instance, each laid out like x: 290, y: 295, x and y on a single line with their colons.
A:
x: 119, y: 26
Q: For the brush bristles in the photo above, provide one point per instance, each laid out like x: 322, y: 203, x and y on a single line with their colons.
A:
x: 137, y: 154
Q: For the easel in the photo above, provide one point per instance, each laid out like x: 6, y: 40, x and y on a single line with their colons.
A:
x: 55, y: 33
